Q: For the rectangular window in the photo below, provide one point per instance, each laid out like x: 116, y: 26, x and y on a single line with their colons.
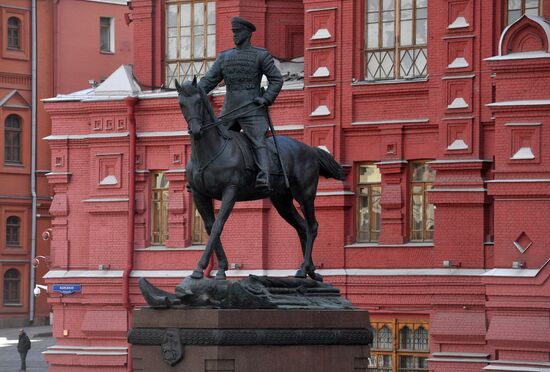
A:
x: 106, y: 35
x: 396, y: 38
x: 190, y: 39
x: 422, y: 213
x: 399, y: 346
x: 159, y: 209
x: 199, y: 235
x: 368, y: 203
x: 516, y: 8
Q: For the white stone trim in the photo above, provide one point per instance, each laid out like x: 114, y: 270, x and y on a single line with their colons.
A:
x: 527, y: 102
x: 515, y: 368
x: 322, y: 71
x: 520, y: 55
x: 387, y: 162
x: 396, y: 121
x: 458, y: 144
x: 320, y: 111
x: 289, y: 127
x: 61, y: 274
x: 182, y: 170
x: 457, y: 360
x: 160, y: 273
x: 114, y: 2
x: 459, y: 62
x: 527, y: 273
x: 457, y: 161
x: 457, y: 189
x: 519, y: 180
x: 459, y: 354
x: 177, y: 133
x: 105, y: 200
x: 458, y: 103
x: 319, y: 9
x: 76, y: 352
x: 458, y: 77
x: 376, y: 245
x: 524, y: 153
x: 459, y: 22
x: 523, y: 124
x: 90, y: 348
x: 56, y: 137
x: 109, y: 180
x: 321, y: 34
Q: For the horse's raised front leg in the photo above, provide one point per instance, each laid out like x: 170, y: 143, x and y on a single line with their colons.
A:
x: 214, y: 242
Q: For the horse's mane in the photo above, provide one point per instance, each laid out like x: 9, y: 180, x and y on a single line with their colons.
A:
x: 188, y: 89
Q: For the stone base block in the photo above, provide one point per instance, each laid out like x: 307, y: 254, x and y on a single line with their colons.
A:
x: 213, y: 340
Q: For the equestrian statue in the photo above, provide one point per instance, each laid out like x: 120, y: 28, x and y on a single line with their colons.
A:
x: 231, y: 165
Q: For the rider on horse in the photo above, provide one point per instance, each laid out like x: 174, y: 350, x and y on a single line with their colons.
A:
x: 242, y: 68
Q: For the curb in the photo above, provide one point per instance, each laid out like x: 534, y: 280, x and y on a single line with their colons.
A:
x: 42, y: 335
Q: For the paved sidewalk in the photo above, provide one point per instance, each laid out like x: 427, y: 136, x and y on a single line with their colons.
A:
x: 41, y: 338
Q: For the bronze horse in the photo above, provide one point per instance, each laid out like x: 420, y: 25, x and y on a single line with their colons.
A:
x: 216, y: 170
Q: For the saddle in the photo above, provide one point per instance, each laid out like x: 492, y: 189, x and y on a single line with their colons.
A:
x: 245, y: 147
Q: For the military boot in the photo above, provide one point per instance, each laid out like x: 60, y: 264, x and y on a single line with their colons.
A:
x: 262, y: 161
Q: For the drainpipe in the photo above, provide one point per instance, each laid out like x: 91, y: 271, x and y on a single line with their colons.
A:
x: 130, y: 107
x: 33, y: 164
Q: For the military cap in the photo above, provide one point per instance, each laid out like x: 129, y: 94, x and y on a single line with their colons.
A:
x: 237, y: 22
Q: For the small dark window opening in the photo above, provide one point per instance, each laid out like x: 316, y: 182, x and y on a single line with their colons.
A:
x: 12, y: 138
x: 12, y: 286
x: 14, y: 33
x: 13, y: 228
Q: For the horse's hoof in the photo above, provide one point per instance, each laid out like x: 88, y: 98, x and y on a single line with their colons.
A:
x: 315, y: 276
x: 197, y: 274
x: 300, y: 274
x: 220, y: 275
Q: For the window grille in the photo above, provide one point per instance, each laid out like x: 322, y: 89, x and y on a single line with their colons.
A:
x: 190, y: 39
x: 396, y: 38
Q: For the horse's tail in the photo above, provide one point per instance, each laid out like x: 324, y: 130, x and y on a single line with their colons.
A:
x: 329, y: 167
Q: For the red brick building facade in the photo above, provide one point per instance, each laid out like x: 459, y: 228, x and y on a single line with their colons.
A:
x: 46, y: 47
x: 439, y: 112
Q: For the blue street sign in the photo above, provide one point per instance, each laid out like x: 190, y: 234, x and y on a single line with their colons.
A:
x: 67, y: 288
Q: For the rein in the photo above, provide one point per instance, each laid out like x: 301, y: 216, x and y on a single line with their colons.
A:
x: 224, y: 117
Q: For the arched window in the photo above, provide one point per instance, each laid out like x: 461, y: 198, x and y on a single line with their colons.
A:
x: 406, y: 338
x: 421, y: 339
x: 12, y: 139
x: 13, y: 228
x: 14, y: 33
x: 12, y: 286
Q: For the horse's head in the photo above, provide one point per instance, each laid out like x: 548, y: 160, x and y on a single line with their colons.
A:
x: 192, y: 105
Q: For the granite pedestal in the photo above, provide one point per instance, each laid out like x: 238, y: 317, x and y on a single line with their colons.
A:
x: 215, y: 340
